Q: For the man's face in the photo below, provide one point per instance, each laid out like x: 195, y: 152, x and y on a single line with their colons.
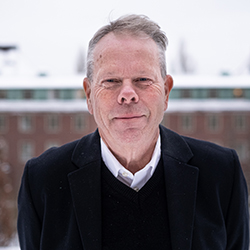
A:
x: 128, y: 95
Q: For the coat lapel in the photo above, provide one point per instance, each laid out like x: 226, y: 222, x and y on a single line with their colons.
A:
x: 181, y: 187
x: 85, y: 185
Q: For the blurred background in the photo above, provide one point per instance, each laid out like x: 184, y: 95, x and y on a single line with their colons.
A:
x: 43, y: 48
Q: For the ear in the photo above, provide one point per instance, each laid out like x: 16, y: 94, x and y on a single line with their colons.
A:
x: 87, y: 89
x: 168, y: 85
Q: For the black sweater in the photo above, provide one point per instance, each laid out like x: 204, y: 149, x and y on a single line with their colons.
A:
x: 134, y: 220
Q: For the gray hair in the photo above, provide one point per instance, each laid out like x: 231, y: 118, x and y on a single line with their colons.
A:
x: 137, y: 25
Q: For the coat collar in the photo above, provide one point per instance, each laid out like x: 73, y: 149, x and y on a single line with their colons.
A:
x: 85, y: 185
x: 181, y: 187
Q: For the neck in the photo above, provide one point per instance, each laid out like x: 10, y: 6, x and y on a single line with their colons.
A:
x: 134, y: 156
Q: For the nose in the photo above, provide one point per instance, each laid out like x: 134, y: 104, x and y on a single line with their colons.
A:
x: 127, y: 94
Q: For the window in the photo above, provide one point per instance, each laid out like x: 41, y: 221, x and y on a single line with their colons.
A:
x: 225, y: 93
x: 26, y: 151
x: 242, y: 150
x: 25, y: 123
x: 3, y: 94
x: 240, y: 122
x: 66, y: 94
x: 199, y: 93
x: 53, y: 123
x: 175, y: 94
x: 3, y: 123
x: 14, y: 94
x: 54, y: 94
x: 40, y: 94
x: 246, y: 93
x: 79, y: 123
x: 213, y: 93
x: 187, y: 123
x: 213, y: 123
x: 4, y: 154
x: 28, y: 94
x: 185, y: 93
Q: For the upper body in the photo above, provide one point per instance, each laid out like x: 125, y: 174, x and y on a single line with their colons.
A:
x: 127, y: 90
x: 60, y: 197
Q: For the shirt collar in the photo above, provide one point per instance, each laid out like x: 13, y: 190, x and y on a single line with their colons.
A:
x: 137, y: 180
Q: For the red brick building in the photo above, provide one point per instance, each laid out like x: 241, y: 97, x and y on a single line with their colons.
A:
x: 38, y: 113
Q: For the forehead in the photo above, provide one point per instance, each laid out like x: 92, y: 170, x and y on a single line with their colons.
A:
x: 125, y: 47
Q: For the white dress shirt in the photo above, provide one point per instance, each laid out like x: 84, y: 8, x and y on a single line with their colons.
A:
x: 137, y: 180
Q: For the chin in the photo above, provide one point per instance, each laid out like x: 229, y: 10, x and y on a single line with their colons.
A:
x: 130, y: 135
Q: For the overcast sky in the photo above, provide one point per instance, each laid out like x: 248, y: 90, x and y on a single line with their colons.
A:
x: 50, y: 33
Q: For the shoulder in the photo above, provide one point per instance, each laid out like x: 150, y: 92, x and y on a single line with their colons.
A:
x: 53, y: 157
x: 218, y: 166
x: 202, y: 154
x: 59, y: 159
x: 208, y: 152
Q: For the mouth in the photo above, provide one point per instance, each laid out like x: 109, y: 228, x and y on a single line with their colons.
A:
x: 130, y: 117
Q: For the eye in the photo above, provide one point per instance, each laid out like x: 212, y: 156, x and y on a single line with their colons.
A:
x: 110, y: 83
x: 143, y: 82
x: 142, y: 79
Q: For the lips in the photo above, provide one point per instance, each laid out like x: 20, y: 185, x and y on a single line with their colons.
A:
x: 127, y: 117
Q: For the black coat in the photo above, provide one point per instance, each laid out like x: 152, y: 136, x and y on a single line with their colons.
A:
x: 60, y: 196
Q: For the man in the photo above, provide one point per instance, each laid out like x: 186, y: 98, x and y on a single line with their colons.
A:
x: 132, y: 184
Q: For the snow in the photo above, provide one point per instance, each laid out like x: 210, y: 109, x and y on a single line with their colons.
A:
x: 9, y: 248
x: 43, y: 106
x: 208, y: 105
x: 201, y: 81
x: 72, y: 82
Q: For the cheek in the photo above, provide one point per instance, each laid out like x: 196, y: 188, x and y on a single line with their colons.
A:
x: 156, y: 103
x: 156, y: 96
x: 101, y: 101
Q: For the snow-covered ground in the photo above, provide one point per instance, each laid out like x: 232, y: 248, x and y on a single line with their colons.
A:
x: 9, y: 248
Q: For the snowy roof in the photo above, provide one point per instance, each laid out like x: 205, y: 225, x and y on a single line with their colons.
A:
x: 197, y: 81
x: 43, y: 106
x: 75, y: 82
x: 208, y: 105
x: 81, y: 106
